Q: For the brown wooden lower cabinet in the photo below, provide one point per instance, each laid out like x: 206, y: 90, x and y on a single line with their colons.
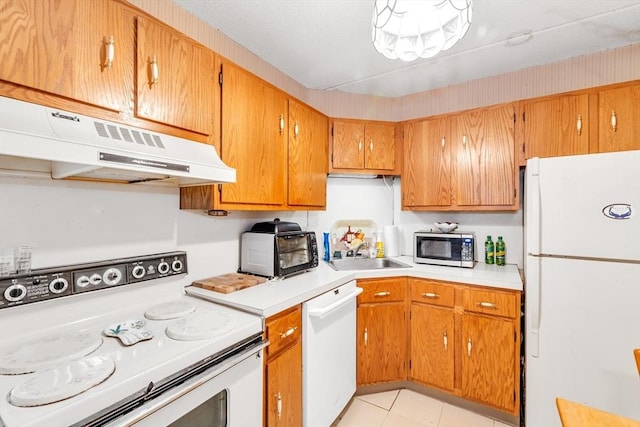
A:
x: 382, y: 331
x: 283, y: 370
x: 464, y: 340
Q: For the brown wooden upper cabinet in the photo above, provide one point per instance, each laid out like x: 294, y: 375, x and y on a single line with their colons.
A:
x: 556, y: 127
x: 254, y: 140
x: 461, y: 162
x: 73, y: 48
x: 308, y: 156
x: 85, y: 51
x: 176, y: 78
x: 619, y: 119
x: 363, y: 147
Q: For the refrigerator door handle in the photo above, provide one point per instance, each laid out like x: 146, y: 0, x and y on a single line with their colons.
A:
x: 533, y: 213
x: 534, y: 302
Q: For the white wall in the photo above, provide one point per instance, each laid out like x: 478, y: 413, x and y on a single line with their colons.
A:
x: 70, y: 222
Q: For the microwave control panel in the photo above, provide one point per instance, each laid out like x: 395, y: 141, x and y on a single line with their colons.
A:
x: 466, y: 251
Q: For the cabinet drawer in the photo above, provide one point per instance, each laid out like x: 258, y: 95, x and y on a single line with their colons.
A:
x: 430, y: 292
x: 382, y: 290
x: 491, y: 302
x: 283, y: 329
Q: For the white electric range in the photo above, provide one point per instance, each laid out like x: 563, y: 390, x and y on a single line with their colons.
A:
x: 119, y: 343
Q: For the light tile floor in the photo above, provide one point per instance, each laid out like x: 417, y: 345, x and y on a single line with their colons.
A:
x: 406, y: 408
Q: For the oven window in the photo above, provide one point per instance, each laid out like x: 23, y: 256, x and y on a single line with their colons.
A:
x: 214, y: 413
x: 435, y: 249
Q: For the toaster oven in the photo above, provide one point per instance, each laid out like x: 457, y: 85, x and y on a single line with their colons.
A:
x: 278, y: 249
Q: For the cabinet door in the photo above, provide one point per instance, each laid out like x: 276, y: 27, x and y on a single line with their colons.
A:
x: 60, y: 47
x: 432, y: 345
x: 254, y: 139
x: 284, y: 389
x: 382, y: 343
x: 380, y: 146
x: 485, y: 165
x: 557, y: 127
x: 348, y: 145
x: 308, y: 156
x: 426, y: 179
x: 619, y: 119
x: 175, y: 78
x: 488, y: 360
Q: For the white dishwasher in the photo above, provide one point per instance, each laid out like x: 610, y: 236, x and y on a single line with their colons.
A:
x: 328, y: 354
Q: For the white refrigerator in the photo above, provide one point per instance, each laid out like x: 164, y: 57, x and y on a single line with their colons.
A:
x: 582, y: 269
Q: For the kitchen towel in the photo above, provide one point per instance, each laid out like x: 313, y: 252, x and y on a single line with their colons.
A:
x: 391, y: 240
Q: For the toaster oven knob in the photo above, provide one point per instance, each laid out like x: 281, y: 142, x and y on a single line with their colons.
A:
x: 177, y: 265
x: 163, y: 267
x: 15, y: 293
x: 58, y: 285
x: 138, y: 272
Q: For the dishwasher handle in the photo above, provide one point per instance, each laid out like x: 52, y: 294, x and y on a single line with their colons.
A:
x: 324, y: 311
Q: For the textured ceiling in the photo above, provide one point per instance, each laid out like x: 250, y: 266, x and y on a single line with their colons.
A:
x: 326, y: 44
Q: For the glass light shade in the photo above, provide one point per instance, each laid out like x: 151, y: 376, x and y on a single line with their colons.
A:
x: 412, y: 29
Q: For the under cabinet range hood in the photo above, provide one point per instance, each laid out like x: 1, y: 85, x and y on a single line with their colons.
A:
x: 35, y: 138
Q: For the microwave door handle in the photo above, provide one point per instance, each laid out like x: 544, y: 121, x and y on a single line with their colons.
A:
x: 325, y: 311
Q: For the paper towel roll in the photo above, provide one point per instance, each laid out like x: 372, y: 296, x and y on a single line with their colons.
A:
x: 391, y: 240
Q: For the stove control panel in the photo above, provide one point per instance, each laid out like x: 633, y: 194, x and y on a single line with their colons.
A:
x: 57, y: 282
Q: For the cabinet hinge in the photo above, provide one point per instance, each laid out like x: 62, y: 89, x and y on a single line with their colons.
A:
x: 514, y: 193
x: 332, y: 131
x: 220, y: 190
x: 514, y: 118
x: 220, y: 78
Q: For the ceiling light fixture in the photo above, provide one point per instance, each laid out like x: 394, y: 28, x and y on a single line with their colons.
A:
x: 412, y: 29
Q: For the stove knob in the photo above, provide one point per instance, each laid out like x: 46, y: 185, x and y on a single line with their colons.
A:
x: 163, y: 267
x: 35, y: 281
x: 58, y: 285
x: 112, y: 276
x: 15, y: 293
x: 177, y: 265
x: 138, y: 271
x: 95, y: 279
x: 82, y: 282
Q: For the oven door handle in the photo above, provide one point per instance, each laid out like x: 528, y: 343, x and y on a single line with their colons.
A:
x: 324, y: 311
x: 169, y: 396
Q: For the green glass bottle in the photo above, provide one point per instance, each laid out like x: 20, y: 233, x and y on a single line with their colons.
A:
x: 488, y: 251
x: 501, y: 251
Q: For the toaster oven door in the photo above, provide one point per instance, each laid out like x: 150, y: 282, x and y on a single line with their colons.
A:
x: 295, y: 252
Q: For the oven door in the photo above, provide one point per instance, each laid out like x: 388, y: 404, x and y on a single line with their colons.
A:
x: 226, y: 395
x: 296, y: 252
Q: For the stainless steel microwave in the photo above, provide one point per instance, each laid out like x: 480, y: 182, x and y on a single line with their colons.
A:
x: 452, y: 249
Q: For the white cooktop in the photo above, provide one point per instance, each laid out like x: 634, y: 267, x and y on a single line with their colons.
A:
x: 136, y: 365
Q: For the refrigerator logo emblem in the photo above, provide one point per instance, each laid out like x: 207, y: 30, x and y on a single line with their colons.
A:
x: 617, y: 211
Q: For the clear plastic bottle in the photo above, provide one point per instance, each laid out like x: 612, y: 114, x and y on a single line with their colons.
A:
x: 489, y: 251
x: 379, y: 246
x: 501, y: 251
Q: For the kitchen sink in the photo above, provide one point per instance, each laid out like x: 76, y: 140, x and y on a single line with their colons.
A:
x: 366, y: 264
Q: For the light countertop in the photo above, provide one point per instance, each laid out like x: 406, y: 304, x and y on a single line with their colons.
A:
x: 274, y: 296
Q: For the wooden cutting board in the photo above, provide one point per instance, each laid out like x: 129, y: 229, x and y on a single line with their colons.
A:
x: 229, y: 282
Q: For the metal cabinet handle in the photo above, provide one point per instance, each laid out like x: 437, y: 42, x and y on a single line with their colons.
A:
x: 296, y: 130
x: 382, y: 294
x: 464, y: 140
x: 281, y: 123
x: 279, y: 405
x: 359, y: 146
x: 445, y: 341
x: 366, y: 336
x: 288, y: 332
x: 443, y: 141
x: 469, y: 347
x: 109, y: 52
x: 154, y: 72
x: 371, y: 145
x: 579, y: 124
x: 614, y: 121
x: 486, y: 304
x: 431, y: 295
